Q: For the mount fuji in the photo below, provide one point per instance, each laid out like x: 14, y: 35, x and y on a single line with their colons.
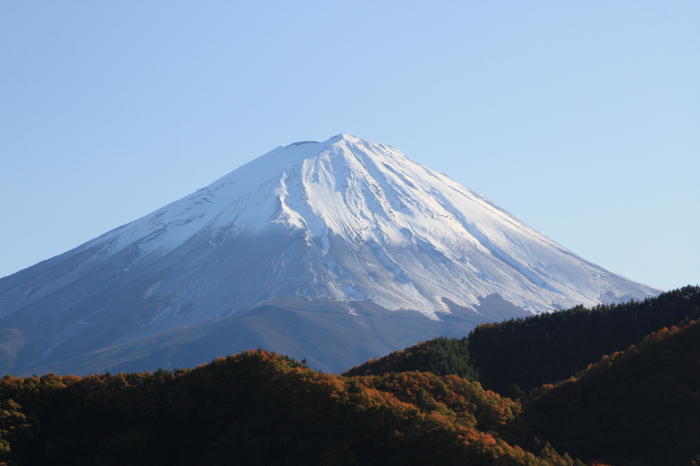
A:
x: 333, y: 251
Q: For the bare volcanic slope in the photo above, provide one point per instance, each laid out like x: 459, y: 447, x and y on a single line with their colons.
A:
x: 332, y: 251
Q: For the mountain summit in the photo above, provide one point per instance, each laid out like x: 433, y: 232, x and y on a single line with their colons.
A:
x: 333, y: 251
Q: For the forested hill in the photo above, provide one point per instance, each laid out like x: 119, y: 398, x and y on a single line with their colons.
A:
x: 640, y: 406
x: 439, y: 355
x: 525, y: 353
x: 258, y: 408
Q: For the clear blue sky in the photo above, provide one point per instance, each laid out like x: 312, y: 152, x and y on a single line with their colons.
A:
x: 581, y: 118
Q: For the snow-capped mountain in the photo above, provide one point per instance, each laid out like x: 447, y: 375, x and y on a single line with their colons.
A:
x: 331, y: 251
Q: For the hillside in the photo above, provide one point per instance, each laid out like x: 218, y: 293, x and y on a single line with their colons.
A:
x: 637, y: 403
x: 440, y: 356
x: 545, y: 348
x: 640, y: 406
x: 257, y: 408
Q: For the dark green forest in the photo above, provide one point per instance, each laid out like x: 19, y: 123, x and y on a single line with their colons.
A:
x: 637, y: 406
x: 440, y: 356
x: 521, y: 354
x: 609, y: 385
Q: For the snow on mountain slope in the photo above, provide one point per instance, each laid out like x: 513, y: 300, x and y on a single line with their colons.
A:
x: 344, y: 220
x: 370, y: 195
